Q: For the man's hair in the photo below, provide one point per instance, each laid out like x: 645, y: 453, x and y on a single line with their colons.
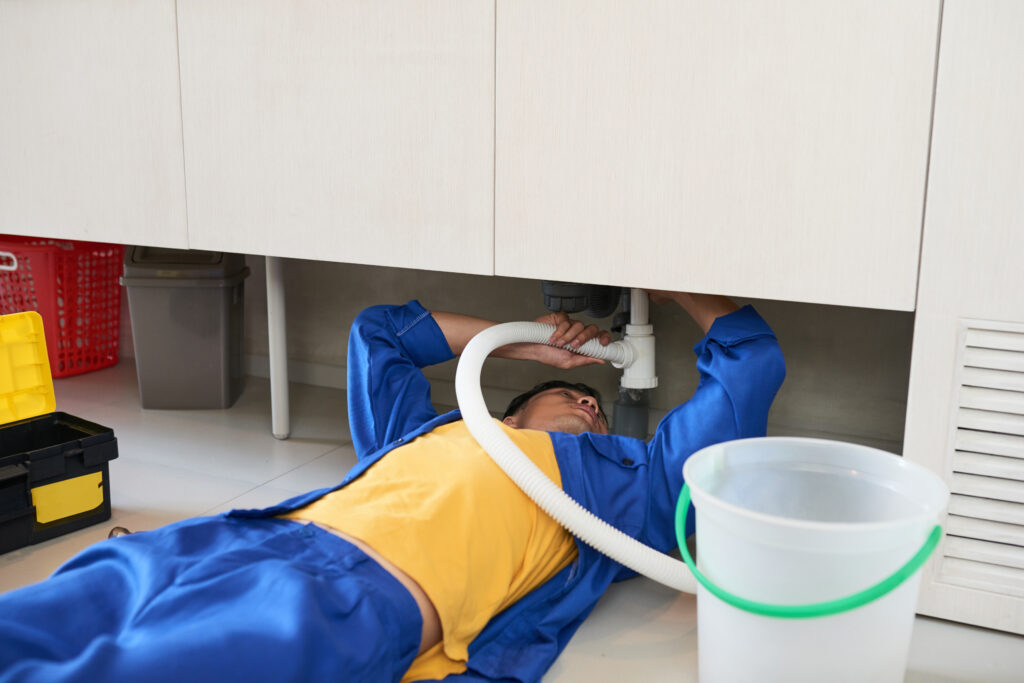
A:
x: 519, y: 401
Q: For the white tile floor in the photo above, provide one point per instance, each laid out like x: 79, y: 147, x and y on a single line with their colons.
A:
x: 178, y: 464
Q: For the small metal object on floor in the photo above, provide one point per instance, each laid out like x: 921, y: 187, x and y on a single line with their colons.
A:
x: 118, y: 531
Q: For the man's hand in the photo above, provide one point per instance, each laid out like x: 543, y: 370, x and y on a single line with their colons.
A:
x: 459, y: 329
x: 568, y: 332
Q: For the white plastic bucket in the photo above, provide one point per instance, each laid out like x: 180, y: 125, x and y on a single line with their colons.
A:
x: 794, y: 521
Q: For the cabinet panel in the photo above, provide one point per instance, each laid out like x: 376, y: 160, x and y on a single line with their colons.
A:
x: 971, y: 313
x: 90, y: 125
x: 768, y: 149
x: 349, y: 131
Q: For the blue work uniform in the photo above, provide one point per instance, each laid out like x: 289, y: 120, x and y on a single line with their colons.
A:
x: 270, y: 599
x: 628, y: 483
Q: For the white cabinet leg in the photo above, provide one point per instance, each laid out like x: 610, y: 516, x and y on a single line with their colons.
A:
x: 276, y: 327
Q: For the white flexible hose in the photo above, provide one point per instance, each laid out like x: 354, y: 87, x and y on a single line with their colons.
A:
x: 531, y: 479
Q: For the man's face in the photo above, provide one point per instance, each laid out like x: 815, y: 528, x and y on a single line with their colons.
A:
x: 560, y: 410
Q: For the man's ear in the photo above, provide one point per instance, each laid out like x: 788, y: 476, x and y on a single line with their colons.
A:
x: 511, y: 422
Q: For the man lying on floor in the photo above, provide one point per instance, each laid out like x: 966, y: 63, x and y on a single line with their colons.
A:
x: 426, y: 561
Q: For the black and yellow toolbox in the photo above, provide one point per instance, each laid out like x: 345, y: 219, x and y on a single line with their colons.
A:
x: 54, y: 476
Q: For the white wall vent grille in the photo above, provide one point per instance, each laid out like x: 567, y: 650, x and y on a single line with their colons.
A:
x: 984, y: 547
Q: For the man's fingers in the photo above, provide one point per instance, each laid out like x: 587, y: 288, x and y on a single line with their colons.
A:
x: 584, y: 333
x: 580, y: 361
x: 566, y: 332
x: 592, y: 332
x: 573, y: 333
x: 571, y: 361
x: 561, y: 328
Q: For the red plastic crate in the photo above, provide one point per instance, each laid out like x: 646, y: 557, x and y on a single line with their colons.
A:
x: 74, y: 287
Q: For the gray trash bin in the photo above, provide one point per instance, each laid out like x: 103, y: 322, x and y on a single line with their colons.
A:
x: 186, y: 309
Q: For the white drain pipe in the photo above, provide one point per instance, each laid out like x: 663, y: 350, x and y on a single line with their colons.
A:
x: 640, y: 335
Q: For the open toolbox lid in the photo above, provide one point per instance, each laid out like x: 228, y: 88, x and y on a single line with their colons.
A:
x: 26, y: 386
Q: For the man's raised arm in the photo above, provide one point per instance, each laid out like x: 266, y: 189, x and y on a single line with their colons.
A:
x: 459, y: 329
x: 388, y: 396
x: 741, y: 369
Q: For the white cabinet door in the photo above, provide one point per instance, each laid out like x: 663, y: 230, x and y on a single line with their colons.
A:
x: 348, y: 131
x: 965, y: 409
x: 90, y: 123
x: 767, y: 149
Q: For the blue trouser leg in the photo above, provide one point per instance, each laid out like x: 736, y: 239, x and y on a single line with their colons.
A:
x: 212, y: 599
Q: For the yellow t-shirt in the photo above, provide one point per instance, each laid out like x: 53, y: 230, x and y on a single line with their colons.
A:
x: 489, y: 544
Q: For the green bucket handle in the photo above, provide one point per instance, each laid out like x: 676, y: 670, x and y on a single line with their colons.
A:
x: 807, y: 611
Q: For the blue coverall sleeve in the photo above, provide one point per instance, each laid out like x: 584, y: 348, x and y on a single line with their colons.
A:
x: 741, y: 369
x: 388, y: 396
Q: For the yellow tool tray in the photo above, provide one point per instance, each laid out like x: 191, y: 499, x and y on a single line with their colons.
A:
x: 54, y: 475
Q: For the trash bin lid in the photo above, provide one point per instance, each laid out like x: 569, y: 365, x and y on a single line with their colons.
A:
x: 26, y: 386
x: 160, y: 262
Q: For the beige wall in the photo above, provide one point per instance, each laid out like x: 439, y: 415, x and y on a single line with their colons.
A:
x: 848, y: 368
